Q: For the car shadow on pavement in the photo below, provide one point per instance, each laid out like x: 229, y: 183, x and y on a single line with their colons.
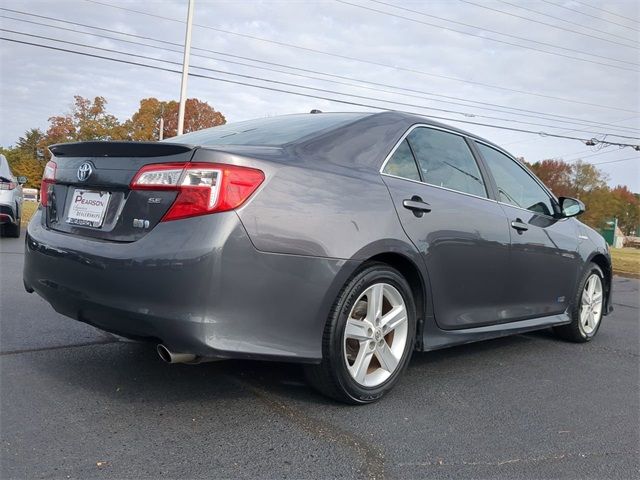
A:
x: 132, y: 372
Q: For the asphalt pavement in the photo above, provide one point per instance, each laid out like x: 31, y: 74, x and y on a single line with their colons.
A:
x: 79, y: 403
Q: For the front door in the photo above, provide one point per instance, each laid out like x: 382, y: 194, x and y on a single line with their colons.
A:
x: 463, y: 236
x: 544, y: 261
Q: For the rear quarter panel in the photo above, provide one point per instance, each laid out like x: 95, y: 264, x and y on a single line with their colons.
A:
x: 312, y: 212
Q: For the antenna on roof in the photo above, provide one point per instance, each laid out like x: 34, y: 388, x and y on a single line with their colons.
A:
x: 315, y: 110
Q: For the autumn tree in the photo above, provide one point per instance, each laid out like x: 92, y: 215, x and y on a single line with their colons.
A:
x: 30, y: 141
x: 145, y: 123
x: 584, y: 181
x: 22, y: 163
x: 586, y: 178
x: 555, y: 174
x: 626, y: 208
x: 197, y: 115
x: 88, y: 120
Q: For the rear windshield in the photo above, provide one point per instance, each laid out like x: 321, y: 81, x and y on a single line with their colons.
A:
x: 273, y: 131
x: 5, y: 172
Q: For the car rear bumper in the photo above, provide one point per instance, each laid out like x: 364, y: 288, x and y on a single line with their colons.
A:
x: 196, y: 285
x: 7, y: 214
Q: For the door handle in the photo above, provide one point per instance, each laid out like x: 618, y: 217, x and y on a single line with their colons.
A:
x: 519, y: 225
x: 417, y: 206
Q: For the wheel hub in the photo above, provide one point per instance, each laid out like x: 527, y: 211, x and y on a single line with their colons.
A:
x: 377, y: 334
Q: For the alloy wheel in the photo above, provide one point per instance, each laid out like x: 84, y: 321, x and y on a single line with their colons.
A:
x: 375, y: 335
x: 591, y: 304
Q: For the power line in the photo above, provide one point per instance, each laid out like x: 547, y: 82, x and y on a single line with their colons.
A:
x: 603, y: 163
x: 345, y: 57
x: 589, y: 15
x: 568, y: 21
x: 528, y: 19
x: 615, y: 161
x: 304, y: 87
x: 566, y: 131
x: 495, y: 39
x: 347, y: 102
x: 605, y: 11
x: 582, y: 122
x: 596, y: 154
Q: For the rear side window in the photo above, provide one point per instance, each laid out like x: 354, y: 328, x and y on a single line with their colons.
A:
x: 445, y: 160
x: 515, y: 186
x: 402, y: 164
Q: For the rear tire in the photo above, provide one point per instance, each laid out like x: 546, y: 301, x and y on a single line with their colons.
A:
x: 369, y: 337
x: 12, y: 230
x: 587, y: 308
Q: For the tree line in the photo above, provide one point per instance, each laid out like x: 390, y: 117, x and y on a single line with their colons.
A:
x: 89, y: 120
x: 586, y: 182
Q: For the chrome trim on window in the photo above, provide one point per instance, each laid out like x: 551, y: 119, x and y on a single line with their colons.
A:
x: 433, y: 127
x: 438, y: 186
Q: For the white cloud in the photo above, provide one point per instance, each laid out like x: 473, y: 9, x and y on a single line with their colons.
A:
x: 39, y: 83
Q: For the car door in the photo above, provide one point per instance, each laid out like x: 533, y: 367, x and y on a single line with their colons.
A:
x: 544, y: 260
x: 440, y: 196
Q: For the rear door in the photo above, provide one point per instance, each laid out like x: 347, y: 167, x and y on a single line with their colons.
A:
x: 91, y: 195
x: 440, y: 195
x: 544, y: 248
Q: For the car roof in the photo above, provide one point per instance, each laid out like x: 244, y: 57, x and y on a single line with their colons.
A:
x: 413, y: 119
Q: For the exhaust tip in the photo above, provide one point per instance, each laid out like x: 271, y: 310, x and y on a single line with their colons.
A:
x: 173, y: 357
x: 164, y: 353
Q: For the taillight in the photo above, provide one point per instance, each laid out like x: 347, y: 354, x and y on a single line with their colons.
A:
x: 48, y: 179
x: 202, y: 187
x: 8, y: 185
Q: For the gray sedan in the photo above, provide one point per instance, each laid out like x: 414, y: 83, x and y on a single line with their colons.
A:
x: 342, y: 241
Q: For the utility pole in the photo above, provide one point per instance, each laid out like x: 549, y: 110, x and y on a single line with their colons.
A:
x: 185, y: 68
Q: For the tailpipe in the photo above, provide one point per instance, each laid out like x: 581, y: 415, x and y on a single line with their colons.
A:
x: 175, y: 357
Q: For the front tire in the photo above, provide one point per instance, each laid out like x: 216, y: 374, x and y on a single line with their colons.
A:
x: 368, y: 338
x: 587, y: 308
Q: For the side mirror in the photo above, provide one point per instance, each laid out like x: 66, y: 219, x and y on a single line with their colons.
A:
x: 22, y: 180
x: 571, y: 207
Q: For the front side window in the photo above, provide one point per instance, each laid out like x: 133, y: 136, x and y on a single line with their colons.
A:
x: 515, y: 186
x: 402, y: 164
x: 445, y: 160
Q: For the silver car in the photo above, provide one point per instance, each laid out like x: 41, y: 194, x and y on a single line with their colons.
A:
x: 10, y: 200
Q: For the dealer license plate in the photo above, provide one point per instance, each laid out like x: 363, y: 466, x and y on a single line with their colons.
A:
x: 88, y: 207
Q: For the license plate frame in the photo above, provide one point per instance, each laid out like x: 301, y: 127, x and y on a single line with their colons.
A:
x: 88, y: 207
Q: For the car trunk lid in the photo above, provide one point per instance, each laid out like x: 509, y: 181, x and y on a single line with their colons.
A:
x: 91, y: 196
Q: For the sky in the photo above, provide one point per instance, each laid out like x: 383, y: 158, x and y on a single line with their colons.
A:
x: 564, y: 67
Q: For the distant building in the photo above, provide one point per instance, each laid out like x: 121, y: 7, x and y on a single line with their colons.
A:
x: 612, y: 233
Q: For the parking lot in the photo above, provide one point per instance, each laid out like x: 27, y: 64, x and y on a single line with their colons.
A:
x: 79, y: 403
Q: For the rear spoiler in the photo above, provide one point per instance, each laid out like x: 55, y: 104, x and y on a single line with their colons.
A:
x: 118, y: 149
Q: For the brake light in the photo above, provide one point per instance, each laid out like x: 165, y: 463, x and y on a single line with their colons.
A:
x: 202, y: 188
x: 8, y: 185
x: 48, y: 179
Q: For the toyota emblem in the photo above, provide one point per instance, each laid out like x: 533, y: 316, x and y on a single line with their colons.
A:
x: 84, y: 171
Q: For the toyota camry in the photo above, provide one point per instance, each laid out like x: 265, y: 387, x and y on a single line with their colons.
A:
x: 342, y: 241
